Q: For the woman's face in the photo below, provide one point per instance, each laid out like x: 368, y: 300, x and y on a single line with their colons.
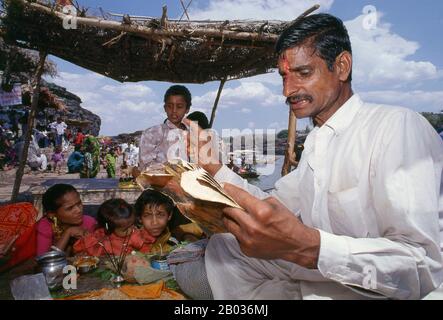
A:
x: 176, y: 109
x: 155, y: 219
x: 70, y: 211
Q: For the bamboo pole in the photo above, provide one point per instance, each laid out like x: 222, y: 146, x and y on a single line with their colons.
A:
x: 290, y: 159
x: 34, y: 105
x: 214, y: 108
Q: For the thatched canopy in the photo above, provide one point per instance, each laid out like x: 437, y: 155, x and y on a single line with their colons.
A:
x: 137, y: 49
x: 19, y: 64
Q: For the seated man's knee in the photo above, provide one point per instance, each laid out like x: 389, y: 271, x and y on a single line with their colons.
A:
x: 221, y: 240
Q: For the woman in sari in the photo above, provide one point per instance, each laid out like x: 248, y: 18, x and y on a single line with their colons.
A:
x: 91, y: 166
x: 17, y: 234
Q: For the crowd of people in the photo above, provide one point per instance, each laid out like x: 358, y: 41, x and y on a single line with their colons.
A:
x: 57, y: 146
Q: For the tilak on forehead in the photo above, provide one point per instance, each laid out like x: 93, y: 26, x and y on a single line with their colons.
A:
x: 284, y: 61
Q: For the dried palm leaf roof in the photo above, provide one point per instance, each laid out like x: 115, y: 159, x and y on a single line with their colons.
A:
x: 137, y: 49
x: 20, y: 63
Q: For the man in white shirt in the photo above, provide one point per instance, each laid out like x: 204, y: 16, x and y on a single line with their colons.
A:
x: 59, y: 128
x: 358, y: 218
x: 132, y: 155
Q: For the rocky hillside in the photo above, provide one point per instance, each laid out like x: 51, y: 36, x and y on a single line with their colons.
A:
x: 74, y: 110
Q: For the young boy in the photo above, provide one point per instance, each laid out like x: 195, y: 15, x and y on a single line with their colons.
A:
x: 154, y: 211
x: 156, y: 142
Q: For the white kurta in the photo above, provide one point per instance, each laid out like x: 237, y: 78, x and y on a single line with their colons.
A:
x: 369, y: 181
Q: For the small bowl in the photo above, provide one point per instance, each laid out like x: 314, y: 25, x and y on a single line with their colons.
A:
x: 86, y: 264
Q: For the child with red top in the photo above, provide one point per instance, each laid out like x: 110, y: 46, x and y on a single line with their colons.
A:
x: 116, y: 232
x: 64, y: 221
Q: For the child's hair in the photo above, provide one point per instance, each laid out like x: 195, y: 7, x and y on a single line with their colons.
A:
x: 153, y: 198
x: 201, y: 118
x: 52, y: 196
x: 112, y: 210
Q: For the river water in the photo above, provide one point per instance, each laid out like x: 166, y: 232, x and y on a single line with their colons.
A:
x: 269, y: 174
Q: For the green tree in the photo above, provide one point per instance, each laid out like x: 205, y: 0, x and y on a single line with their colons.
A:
x: 435, y: 119
x: 282, y: 134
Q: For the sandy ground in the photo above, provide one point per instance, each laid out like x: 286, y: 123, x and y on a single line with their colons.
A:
x: 34, y: 178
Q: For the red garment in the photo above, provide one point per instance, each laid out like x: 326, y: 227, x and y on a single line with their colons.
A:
x: 45, y: 234
x: 18, y: 219
x: 79, y: 139
x: 140, y: 240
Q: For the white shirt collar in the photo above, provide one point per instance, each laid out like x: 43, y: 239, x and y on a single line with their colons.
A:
x: 343, y: 117
x: 172, y: 126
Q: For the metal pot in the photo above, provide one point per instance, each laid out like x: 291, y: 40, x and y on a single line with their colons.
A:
x: 160, y: 263
x: 51, y: 264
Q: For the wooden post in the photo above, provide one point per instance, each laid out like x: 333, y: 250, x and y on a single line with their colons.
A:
x: 290, y: 148
x: 214, y: 108
x: 34, y: 105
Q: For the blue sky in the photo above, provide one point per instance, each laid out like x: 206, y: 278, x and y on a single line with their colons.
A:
x: 397, y: 60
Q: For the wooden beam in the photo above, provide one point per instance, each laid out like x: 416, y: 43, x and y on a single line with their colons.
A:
x: 34, y: 106
x: 214, y: 108
x: 138, y: 29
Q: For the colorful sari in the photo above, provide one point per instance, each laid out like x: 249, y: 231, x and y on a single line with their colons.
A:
x: 91, y: 147
x: 17, y: 233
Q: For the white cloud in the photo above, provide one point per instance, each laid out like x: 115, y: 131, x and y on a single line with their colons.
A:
x: 255, y: 9
x: 78, y: 81
x: 277, y: 126
x: 382, y: 58
x: 250, y: 93
x: 145, y: 107
x: 125, y: 107
x: 272, y: 78
x: 245, y: 110
x: 418, y: 100
x: 129, y: 90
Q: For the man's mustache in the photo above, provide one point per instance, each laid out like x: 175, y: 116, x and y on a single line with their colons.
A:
x: 298, y: 97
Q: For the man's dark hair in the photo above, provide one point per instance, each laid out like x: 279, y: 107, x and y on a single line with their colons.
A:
x: 178, y: 90
x: 326, y: 33
x: 200, y: 117
x: 112, y: 210
x: 51, y: 198
x: 152, y: 198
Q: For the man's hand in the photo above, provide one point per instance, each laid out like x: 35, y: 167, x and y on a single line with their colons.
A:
x: 268, y: 230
